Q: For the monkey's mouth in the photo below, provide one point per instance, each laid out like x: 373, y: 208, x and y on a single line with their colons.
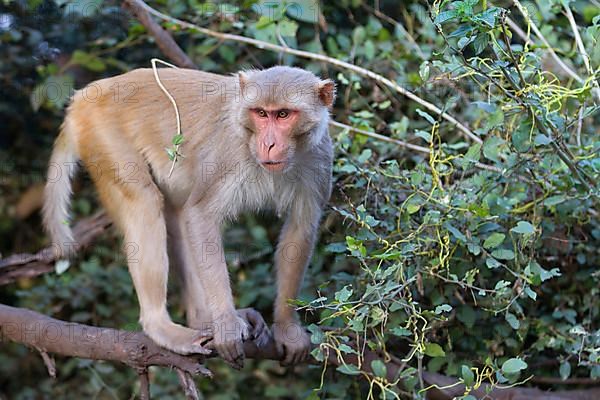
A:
x: 273, y: 165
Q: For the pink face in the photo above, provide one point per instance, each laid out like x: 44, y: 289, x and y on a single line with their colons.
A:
x: 273, y: 135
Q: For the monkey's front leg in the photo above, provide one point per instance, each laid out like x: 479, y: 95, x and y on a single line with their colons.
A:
x: 229, y: 329
x: 294, y: 251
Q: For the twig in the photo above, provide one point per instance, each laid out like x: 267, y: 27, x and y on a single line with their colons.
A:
x: 579, y: 125
x: 188, y: 385
x: 144, y: 384
x: 49, y: 362
x: 314, y: 56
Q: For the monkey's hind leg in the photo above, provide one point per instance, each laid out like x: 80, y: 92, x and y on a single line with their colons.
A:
x: 198, y: 314
x: 137, y: 207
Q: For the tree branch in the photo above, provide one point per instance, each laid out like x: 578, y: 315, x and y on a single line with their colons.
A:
x: 164, y: 40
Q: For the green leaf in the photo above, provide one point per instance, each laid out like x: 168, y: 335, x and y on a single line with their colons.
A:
x: 303, y: 10
x: 287, y: 28
x: 263, y: 22
x: 512, y: 320
x: 425, y: 115
x: 443, y: 308
x: 339, y: 247
x: 426, y: 136
x: 369, y: 49
x: 344, y: 348
x: 523, y: 227
x: 467, y: 376
x: 413, y: 204
x: 541, y: 140
x: 503, y: 254
x: 444, y: 16
x: 177, y: 139
x: 488, y: 17
x: 348, y: 369
x: 494, y: 240
x: 462, y: 30
x: 513, y: 366
x: 365, y: 156
x: 434, y: 350
x: 171, y: 153
x: 530, y: 293
x: 492, y: 263
x: 491, y: 148
x: 344, y: 294
x: 474, y: 153
x: 399, y: 331
x: 84, y: 8
x: 554, y: 200
x: 379, y: 368
x: 359, y: 35
x: 455, y: 232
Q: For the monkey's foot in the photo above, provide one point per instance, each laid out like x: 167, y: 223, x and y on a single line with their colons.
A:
x: 229, y: 333
x: 260, y: 333
x: 178, y: 338
x: 292, y: 342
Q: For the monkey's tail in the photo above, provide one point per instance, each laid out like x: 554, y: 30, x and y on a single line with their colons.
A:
x: 57, y: 194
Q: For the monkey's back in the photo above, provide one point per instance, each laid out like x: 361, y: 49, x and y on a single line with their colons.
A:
x: 113, y: 112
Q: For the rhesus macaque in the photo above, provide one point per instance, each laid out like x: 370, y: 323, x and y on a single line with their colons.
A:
x: 254, y: 140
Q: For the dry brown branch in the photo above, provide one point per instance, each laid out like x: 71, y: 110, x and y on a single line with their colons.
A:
x: 144, y: 385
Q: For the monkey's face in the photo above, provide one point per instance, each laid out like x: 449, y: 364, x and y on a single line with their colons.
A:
x: 273, y: 129
x: 284, y: 110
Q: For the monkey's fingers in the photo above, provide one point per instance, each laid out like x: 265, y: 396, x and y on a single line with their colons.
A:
x: 260, y: 333
x: 263, y: 337
x: 232, y: 353
x: 199, y: 344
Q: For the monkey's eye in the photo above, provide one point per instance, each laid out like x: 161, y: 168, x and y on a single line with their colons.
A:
x: 261, y: 113
x: 283, y: 114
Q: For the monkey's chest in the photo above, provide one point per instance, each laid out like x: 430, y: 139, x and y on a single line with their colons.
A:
x: 254, y: 193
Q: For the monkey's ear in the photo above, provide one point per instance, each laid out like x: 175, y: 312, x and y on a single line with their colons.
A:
x: 243, y: 78
x: 326, y: 92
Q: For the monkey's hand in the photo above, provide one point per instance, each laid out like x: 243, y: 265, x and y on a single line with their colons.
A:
x: 230, y: 331
x: 259, y: 331
x: 292, y: 341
